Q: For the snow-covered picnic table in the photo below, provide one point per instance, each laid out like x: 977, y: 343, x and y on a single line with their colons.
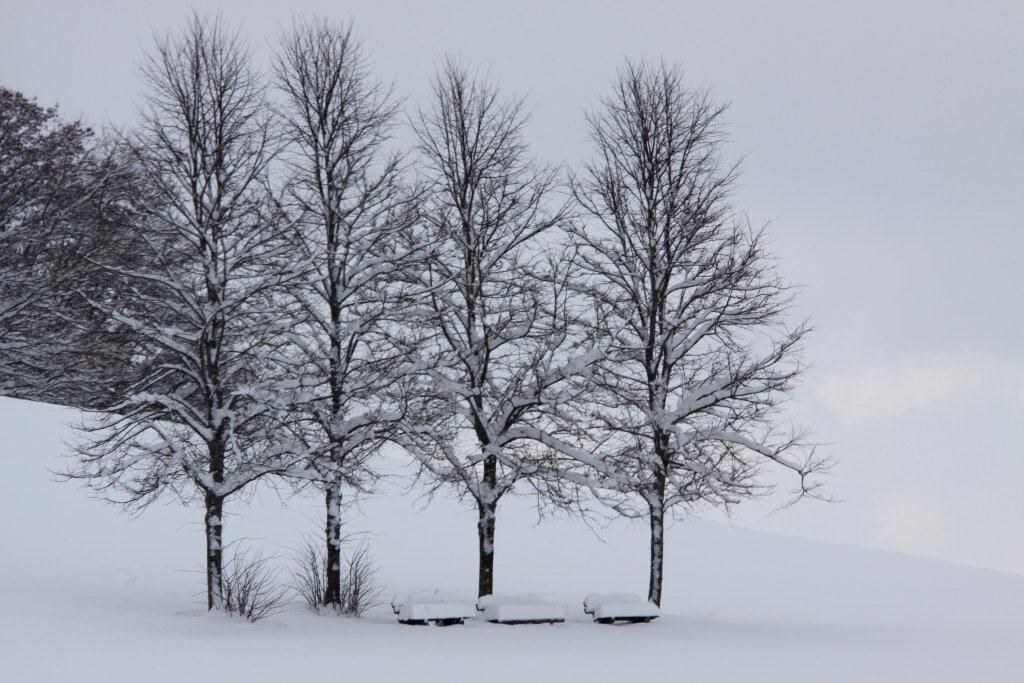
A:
x: 424, y: 607
x: 519, y: 609
x: 608, y: 608
x: 444, y: 609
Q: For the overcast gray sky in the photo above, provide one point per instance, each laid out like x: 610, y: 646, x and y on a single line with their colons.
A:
x: 885, y: 142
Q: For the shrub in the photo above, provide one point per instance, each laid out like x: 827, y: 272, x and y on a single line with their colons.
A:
x: 359, y: 589
x: 251, y: 585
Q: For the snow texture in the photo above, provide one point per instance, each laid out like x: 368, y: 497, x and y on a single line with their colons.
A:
x: 434, y: 595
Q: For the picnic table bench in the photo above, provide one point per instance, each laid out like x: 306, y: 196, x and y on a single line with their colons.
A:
x: 432, y: 607
x: 607, y: 608
x: 519, y: 609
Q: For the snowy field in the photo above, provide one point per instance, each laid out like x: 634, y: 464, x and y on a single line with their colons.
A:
x: 89, y: 594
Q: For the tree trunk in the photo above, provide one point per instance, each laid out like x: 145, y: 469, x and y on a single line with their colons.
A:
x: 657, y: 553
x: 214, y: 551
x: 485, y: 533
x: 332, y: 583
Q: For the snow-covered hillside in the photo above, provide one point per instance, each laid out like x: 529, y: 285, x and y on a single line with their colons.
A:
x: 89, y: 594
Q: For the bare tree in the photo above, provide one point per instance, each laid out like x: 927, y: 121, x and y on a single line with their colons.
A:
x: 500, y: 311
x: 356, y: 240
x: 200, y: 421
x: 690, y: 308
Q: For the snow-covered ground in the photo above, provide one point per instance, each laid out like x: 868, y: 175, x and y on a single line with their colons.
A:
x: 89, y: 594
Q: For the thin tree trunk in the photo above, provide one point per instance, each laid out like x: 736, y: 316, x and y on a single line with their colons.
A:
x: 485, y: 533
x: 656, y: 507
x: 657, y: 553
x: 332, y: 587
x: 214, y: 521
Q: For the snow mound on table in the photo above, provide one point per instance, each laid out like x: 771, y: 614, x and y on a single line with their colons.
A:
x: 595, y: 600
x: 427, y: 596
x: 519, y: 608
x: 432, y: 605
x: 619, y: 606
x: 436, y: 611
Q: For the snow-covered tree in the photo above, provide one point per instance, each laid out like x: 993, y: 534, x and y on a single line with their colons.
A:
x: 689, y: 305
x: 500, y: 311
x: 200, y: 420
x: 355, y: 240
x: 61, y: 197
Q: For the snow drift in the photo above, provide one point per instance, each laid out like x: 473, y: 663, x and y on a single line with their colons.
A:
x: 88, y: 593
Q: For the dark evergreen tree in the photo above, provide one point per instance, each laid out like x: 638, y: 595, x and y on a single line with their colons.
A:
x: 63, y: 206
